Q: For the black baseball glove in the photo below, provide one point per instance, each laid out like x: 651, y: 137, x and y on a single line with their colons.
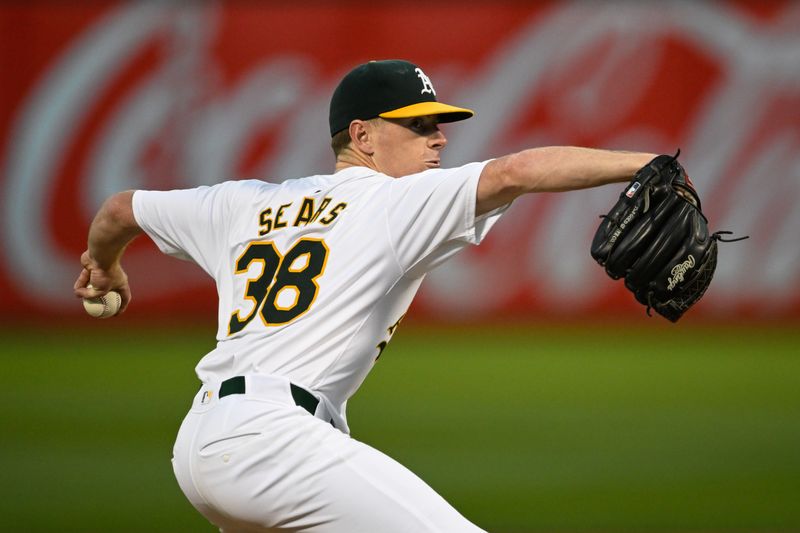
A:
x: 657, y: 238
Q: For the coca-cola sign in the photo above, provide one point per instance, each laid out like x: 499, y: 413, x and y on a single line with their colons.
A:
x: 164, y: 95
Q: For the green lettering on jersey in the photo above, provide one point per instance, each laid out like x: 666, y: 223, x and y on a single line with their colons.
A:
x: 306, y: 212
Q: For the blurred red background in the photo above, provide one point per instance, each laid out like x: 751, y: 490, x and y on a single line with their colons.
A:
x: 99, y: 97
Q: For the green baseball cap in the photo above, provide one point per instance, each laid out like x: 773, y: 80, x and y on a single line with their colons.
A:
x: 388, y: 89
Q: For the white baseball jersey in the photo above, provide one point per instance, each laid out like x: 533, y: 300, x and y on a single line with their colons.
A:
x: 314, y: 274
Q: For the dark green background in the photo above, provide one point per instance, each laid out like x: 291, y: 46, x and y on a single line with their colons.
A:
x: 627, y: 427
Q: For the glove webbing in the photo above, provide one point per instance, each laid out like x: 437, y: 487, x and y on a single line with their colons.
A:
x: 717, y: 236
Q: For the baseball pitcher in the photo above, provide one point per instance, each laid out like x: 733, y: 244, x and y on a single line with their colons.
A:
x: 313, y: 276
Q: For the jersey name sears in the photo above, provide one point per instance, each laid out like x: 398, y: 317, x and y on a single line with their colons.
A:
x: 313, y: 274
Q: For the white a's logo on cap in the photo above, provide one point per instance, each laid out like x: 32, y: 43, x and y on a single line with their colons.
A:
x: 427, y: 86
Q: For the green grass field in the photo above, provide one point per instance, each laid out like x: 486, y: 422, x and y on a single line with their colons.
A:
x: 548, y: 428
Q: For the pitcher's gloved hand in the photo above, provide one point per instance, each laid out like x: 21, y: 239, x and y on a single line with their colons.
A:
x: 657, y: 238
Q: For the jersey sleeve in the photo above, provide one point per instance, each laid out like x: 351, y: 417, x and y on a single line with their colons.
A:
x: 431, y: 216
x: 189, y: 224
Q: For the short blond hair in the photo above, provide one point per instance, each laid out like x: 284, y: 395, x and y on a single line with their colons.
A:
x: 340, y: 141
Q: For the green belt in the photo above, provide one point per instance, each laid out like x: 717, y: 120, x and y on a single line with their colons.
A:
x: 303, y: 398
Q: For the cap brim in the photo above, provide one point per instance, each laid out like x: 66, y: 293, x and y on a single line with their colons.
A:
x: 445, y: 112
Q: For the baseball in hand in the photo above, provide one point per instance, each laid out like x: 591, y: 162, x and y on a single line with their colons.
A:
x: 103, y: 306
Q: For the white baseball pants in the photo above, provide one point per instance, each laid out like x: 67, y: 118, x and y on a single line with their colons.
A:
x: 258, y: 462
